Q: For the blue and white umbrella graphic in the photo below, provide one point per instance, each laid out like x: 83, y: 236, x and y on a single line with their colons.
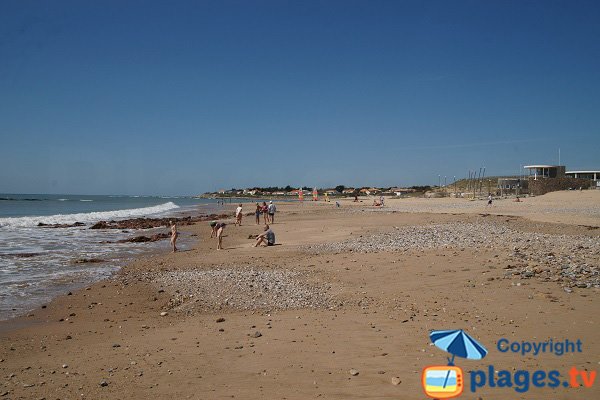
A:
x: 458, y: 343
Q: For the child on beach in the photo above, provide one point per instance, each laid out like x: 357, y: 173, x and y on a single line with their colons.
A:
x: 174, y: 235
x: 257, y: 213
x: 267, y: 237
x: 238, y: 215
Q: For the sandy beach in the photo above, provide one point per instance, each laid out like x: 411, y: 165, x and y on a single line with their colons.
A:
x: 341, y: 308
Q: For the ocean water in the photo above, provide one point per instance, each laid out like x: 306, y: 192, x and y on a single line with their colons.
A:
x: 38, y: 263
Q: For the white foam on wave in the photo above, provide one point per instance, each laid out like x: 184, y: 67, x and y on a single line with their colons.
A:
x: 86, y: 217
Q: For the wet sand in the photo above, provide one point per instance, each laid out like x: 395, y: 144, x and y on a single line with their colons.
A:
x: 235, y: 333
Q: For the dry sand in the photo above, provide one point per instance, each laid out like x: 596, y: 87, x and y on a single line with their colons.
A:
x: 291, y: 321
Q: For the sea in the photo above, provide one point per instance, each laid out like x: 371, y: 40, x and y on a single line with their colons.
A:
x: 38, y: 263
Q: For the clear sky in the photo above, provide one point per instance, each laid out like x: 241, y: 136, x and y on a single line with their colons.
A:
x: 143, y: 97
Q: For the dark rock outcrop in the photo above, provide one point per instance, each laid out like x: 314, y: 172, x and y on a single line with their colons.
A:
x: 148, y: 223
x: 143, y: 239
x: 76, y: 224
x: 88, y: 260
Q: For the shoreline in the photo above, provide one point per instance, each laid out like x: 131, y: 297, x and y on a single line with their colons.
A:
x: 383, y: 303
x: 138, y: 229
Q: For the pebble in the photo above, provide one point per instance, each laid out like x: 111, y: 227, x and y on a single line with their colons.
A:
x: 241, y: 288
x: 353, y: 372
x: 572, y: 261
x: 396, y: 381
x: 103, y: 383
x: 256, y: 334
x: 164, y: 313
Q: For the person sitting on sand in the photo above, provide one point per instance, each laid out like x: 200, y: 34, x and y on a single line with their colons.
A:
x: 174, y: 235
x: 517, y: 200
x: 220, y: 228
x: 267, y: 238
x: 257, y: 213
x: 238, y: 215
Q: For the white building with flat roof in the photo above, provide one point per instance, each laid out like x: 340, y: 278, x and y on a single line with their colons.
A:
x: 593, y: 175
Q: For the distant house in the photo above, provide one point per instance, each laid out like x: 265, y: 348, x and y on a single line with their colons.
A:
x: 545, y: 171
x: 348, y: 191
x: 593, y: 175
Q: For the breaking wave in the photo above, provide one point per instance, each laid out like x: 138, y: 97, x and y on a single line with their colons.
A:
x: 86, y: 217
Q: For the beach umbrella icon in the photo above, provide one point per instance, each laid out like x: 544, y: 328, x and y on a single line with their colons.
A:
x: 458, y: 343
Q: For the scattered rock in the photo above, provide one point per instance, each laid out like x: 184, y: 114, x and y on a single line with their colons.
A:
x: 353, y: 372
x: 87, y: 260
x: 396, y: 381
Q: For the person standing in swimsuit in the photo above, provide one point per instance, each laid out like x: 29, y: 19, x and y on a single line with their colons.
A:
x: 271, y: 208
x: 265, y: 210
x: 238, y: 215
x: 257, y: 213
x: 174, y: 235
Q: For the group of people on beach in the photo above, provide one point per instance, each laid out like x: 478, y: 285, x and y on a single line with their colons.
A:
x: 267, y: 210
x: 266, y: 238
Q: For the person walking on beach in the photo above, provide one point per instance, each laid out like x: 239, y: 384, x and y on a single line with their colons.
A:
x: 238, y: 215
x: 257, y: 213
x: 265, y: 210
x: 489, y: 203
x: 267, y: 237
x: 174, y: 235
x: 272, y: 209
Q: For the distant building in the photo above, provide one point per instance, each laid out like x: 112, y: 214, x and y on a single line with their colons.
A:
x: 550, y: 178
x: 546, y: 171
x: 512, y: 185
x: 592, y: 175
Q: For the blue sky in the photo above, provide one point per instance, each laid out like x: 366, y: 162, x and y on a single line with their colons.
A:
x: 180, y: 97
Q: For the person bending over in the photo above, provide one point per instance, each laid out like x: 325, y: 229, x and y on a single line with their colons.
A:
x: 267, y: 238
x: 220, y: 228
